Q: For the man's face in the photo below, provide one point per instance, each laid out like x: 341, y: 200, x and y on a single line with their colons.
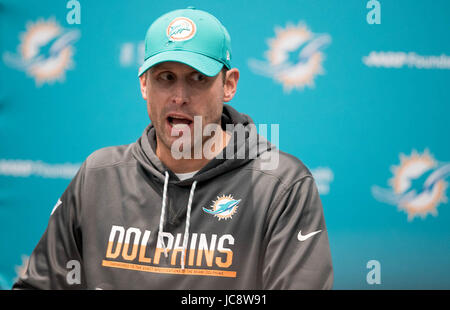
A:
x: 175, y: 94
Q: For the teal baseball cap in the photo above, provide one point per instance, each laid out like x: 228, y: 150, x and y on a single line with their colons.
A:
x: 190, y: 36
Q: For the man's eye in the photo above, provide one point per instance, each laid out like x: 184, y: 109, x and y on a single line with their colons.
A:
x: 166, y: 76
x: 198, y: 77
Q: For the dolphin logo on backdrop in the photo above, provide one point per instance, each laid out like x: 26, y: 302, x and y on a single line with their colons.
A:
x: 45, y: 51
x: 294, y: 57
x: 418, y: 185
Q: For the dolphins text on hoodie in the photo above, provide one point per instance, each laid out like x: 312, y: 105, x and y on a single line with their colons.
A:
x: 127, y: 222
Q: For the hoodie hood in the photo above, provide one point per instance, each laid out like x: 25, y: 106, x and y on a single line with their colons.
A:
x: 238, y: 152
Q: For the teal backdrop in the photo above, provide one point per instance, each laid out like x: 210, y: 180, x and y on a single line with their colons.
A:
x: 360, y: 91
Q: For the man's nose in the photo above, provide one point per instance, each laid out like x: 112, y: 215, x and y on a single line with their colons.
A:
x: 180, y: 94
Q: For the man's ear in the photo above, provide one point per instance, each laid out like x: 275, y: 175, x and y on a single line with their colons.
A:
x: 143, y: 85
x: 230, y: 86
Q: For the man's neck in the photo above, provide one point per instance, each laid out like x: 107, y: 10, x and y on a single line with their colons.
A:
x: 184, y: 165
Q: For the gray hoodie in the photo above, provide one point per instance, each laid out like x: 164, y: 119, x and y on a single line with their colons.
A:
x: 127, y: 222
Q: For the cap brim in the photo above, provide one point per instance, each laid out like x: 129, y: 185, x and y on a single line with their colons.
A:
x: 204, y: 64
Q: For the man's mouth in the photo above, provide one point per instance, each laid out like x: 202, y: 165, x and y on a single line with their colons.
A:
x: 178, y: 120
x: 174, y: 120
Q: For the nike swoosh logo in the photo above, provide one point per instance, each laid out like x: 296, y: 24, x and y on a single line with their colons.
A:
x: 301, y: 237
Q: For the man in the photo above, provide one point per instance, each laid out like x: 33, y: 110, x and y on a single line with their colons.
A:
x: 175, y: 211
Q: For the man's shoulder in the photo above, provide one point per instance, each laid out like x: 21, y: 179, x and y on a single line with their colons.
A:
x: 285, y: 167
x: 111, y: 156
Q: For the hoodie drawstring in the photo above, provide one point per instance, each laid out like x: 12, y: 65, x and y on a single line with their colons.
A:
x: 163, y: 211
x: 188, y: 223
x: 188, y: 219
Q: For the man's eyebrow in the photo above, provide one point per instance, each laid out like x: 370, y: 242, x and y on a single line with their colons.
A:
x: 159, y: 67
x: 163, y: 66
